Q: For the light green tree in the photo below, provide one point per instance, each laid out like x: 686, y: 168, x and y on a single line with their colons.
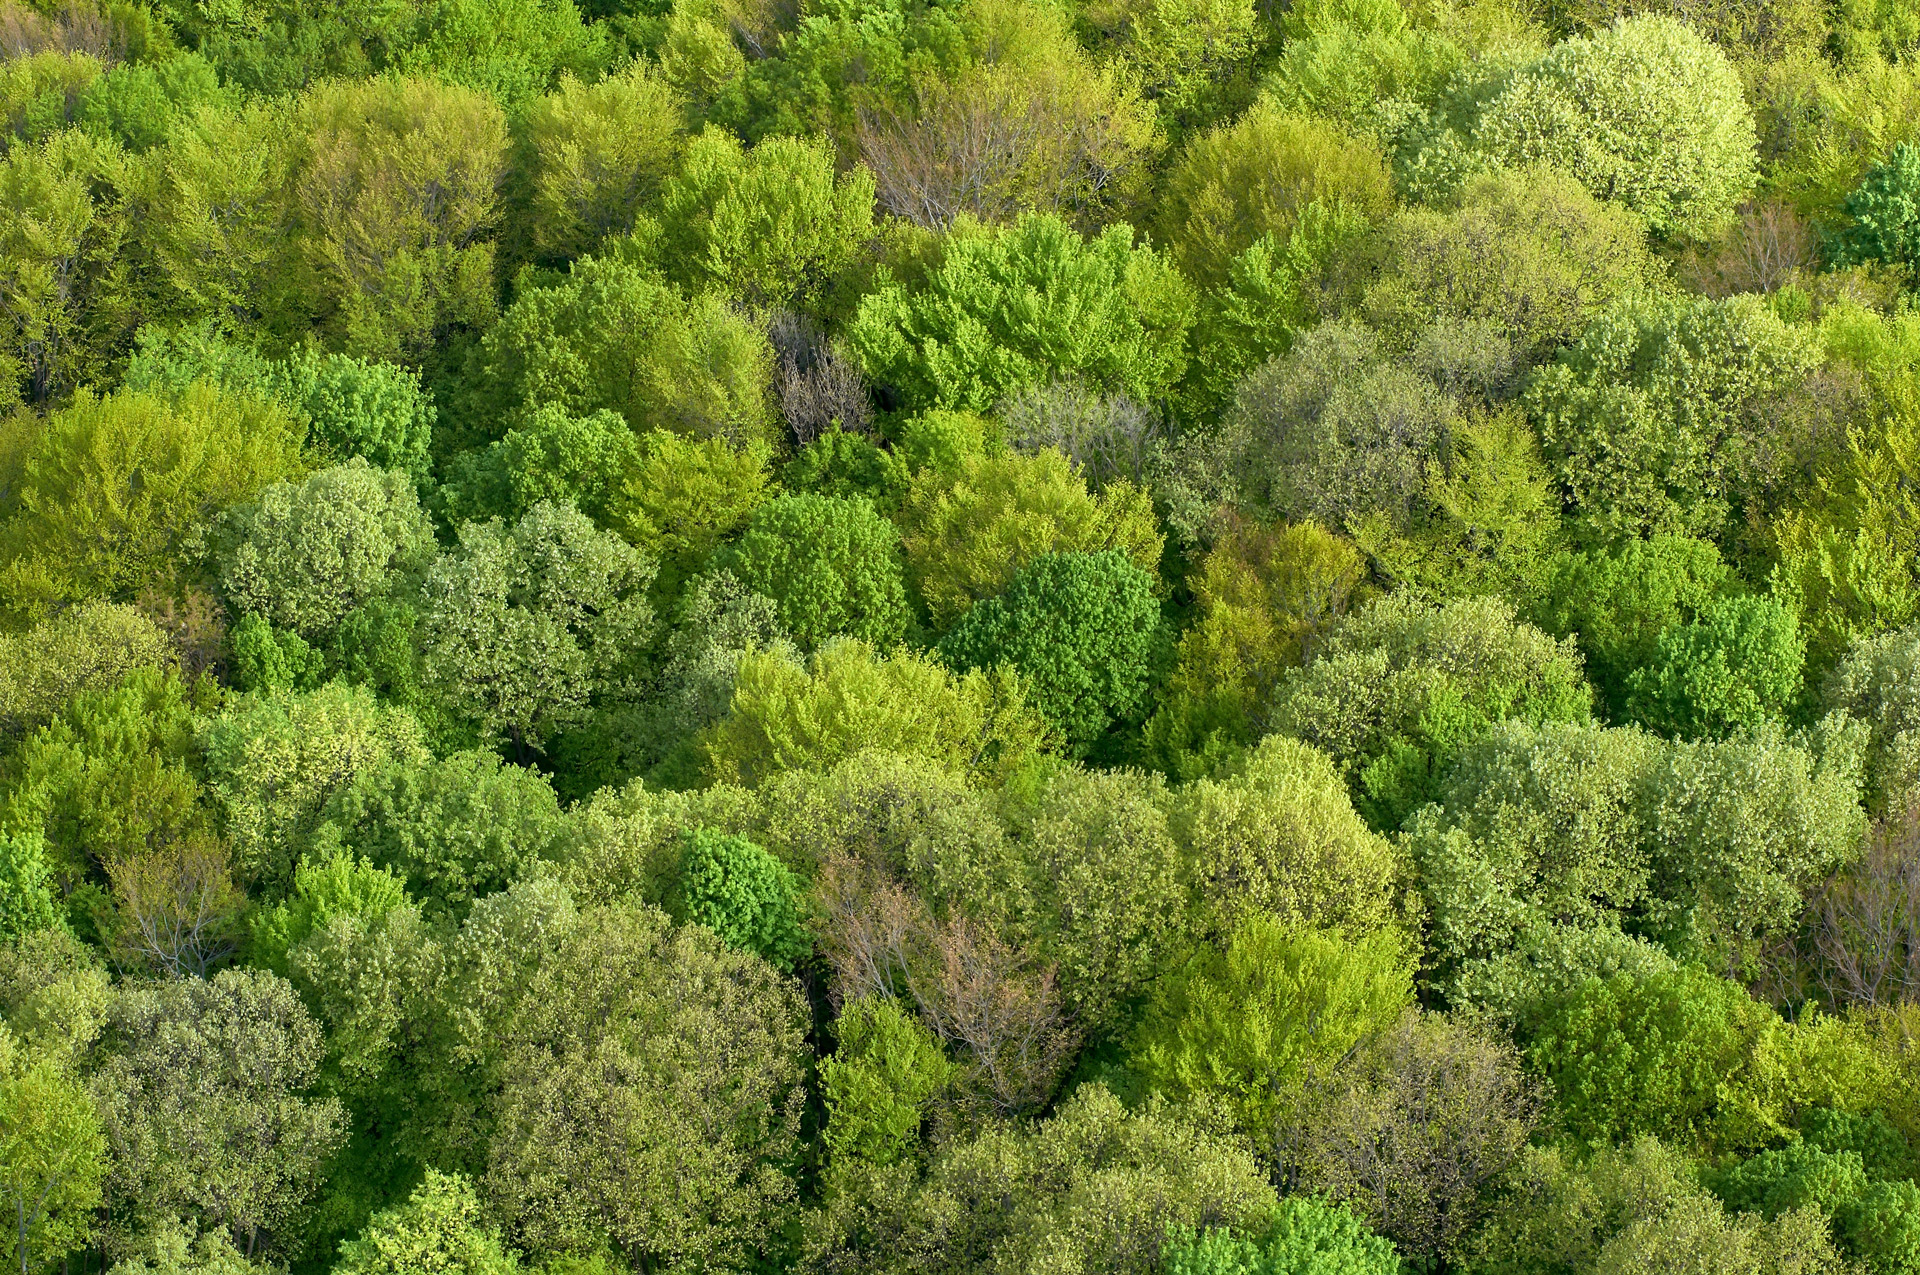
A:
x: 1648, y: 113
x: 52, y: 1159
x: 1011, y: 308
x: 830, y: 564
x: 439, y: 1230
x: 764, y: 225
x: 109, y: 492
x: 304, y: 556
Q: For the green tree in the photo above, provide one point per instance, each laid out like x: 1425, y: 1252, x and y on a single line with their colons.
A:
x: 885, y: 1071
x: 1529, y: 252
x: 1082, y: 629
x: 1006, y: 309
x: 968, y: 532
x: 1275, y: 833
x: 651, y: 1093
x: 743, y: 894
x: 26, y: 904
x: 453, y: 830
x: 1095, y: 1187
x: 1404, y: 685
x: 105, y: 495
x: 1732, y: 668
x: 107, y: 778
x: 549, y: 455
x: 614, y: 334
x: 685, y: 497
x: 1617, y: 603
x: 397, y: 185
x: 764, y: 225
x: 274, y: 761
x: 1681, y: 1055
x: 360, y: 407
x: 1658, y: 419
x: 324, y: 886
x: 831, y: 566
x: 52, y: 1159
x: 1301, y: 1235
x: 199, y: 1095
x: 438, y: 1231
x: 1878, y: 682
x: 523, y: 626
x: 59, y: 232
x: 304, y: 556
x: 592, y: 155
x: 91, y: 646
x: 1253, y: 1024
x: 512, y: 50
x: 1648, y: 113
x: 1409, y: 1131
x: 1885, y: 209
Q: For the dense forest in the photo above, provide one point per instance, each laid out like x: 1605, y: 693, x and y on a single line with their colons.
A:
x: 1034, y: 637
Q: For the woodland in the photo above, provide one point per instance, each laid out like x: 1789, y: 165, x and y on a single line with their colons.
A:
x: 960, y: 637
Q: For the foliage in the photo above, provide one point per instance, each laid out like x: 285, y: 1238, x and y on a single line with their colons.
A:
x: 1255, y: 178
x: 1410, y: 1130
x: 1875, y: 684
x: 1403, y: 686
x: 765, y: 224
x: 1657, y: 420
x: 651, y: 1092
x: 199, y: 1098
x: 88, y: 647
x: 1302, y: 1235
x: 274, y: 761
x: 879, y: 1080
x: 1617, y: 604
x: 592, y: 155
x: 26, y: 904
x: 439, y: 1228
x: 52, y: 1158
x: 968, y: 531
x: 1734, y: 667
x: 452, y: 830
x: 305, y: 556
x: 1034, y: 302
x: 1275, y: 833
x: 1094, y: 1188
x: 848, y: 698
x: 613, y: 334
x: 1082, y: 630
x: 830, y: 564
x: 1886, y: 220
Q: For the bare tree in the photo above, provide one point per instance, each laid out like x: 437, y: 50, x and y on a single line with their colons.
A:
x: 820, y: 387
x: 869, y: 924
x: 1769, y: 246
x: 179, y: 907
x: 1001, y: 141
x: 977, y: 991
x: 1106, y: 436
x: 73, y: 28
x: 1865, y: 923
